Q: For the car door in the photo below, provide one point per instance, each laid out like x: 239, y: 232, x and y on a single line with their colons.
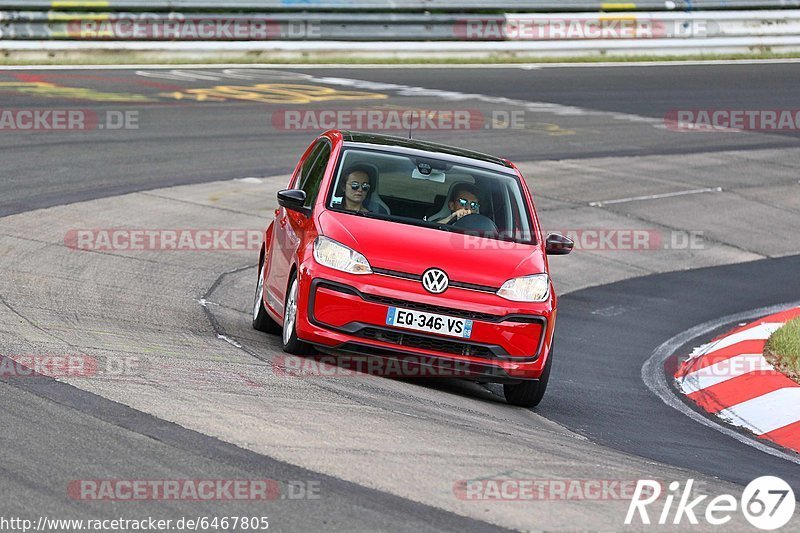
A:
x: 290, y: 226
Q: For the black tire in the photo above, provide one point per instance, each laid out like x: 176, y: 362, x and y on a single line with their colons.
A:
x: 291, y: 344
x: 529, y: 393
x: 261, y: 319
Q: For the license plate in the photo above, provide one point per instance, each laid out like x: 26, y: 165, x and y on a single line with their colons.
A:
x: 432, y: 323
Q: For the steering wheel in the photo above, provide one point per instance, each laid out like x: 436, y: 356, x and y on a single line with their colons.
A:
x: 475, y: 222
x: 454, y: 220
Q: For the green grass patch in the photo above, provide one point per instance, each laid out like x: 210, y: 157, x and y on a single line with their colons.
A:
x: 783, y: 349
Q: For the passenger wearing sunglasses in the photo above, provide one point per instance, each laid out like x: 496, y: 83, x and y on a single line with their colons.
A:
x: 357, y: 183
x: 463, y: 202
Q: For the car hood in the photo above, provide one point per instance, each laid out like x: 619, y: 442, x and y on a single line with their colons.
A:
x: 413, y: 249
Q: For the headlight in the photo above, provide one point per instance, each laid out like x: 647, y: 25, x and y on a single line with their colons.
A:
x: 332, y: 254
x: 534, y: 288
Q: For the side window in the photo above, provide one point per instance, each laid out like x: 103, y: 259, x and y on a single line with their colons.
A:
x: 307, y: 164
x: 312, y: 178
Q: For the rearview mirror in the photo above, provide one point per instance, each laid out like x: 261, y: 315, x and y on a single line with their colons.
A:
x: 293, y: 199
x: 557, y: 244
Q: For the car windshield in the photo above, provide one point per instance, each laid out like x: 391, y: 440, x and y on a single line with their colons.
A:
x: 432, y: 192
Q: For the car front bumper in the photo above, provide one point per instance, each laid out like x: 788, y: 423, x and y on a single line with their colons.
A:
x: 510, y: 341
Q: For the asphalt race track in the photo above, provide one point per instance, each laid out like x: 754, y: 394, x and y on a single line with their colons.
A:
x: 206, y: 398
x: 598, y: 369
x: 187, y: 143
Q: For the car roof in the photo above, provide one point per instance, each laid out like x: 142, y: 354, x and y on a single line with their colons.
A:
x: 403, y: 144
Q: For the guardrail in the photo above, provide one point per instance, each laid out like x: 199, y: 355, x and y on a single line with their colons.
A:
x: 388, y: 28
x: 397, y: 27
x: 503, y: 6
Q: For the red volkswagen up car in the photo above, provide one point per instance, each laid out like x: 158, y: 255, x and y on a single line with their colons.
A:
x: 396, y: 248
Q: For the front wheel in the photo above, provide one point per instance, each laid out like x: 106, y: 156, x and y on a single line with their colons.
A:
x: 291, y: 344
x: 529, y: 393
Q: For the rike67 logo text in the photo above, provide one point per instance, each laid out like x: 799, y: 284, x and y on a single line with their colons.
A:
x: 767, y: 503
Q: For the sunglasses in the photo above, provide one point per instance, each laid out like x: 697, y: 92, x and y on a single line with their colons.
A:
x: 475, y: 206
x: 356, y: 184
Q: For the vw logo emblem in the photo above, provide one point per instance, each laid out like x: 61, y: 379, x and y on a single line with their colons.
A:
x: 435, y: 280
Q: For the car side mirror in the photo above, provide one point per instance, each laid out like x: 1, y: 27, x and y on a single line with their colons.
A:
x: 293, y: 199
x: 557, y: 244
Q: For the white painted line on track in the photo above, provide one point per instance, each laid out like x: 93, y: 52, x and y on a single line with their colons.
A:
x: 456, y: 96
x: 654, y: 196
x: 656, y: 379
x: 414, y: 91
x: 227, y: 339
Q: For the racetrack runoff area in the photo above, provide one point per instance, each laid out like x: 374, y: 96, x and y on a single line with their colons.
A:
x: 596, y: 165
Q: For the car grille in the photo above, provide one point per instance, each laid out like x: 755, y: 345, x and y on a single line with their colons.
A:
x: 416, y: 306
x: 453, y: 283
x: 424, y: 342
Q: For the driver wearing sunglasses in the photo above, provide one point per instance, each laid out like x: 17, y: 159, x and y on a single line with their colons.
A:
x: 463, y: 202
x: 357, y: 184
